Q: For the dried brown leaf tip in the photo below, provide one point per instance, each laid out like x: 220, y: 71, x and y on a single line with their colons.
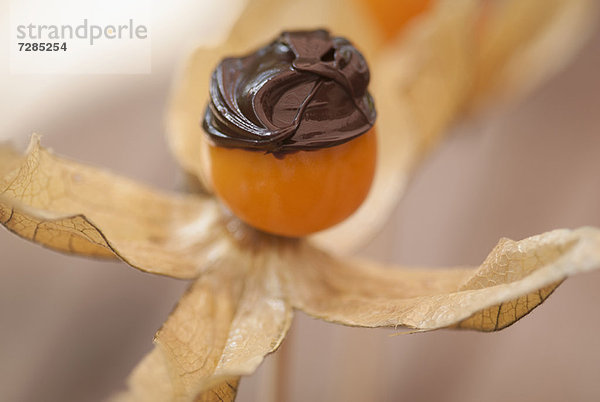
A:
x: 245, y: 285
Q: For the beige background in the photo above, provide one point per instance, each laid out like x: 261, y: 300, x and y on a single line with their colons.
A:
x: 71, y: 329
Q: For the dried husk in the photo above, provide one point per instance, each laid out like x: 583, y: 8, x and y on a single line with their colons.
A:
x: 240, y: 307
x: 78, y: 209
x: 515, y: 278
x: 523, y: 43
x: 228, y: 320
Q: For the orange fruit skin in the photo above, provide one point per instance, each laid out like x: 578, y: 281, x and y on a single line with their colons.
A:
x: 300, y: 193
x: 393, y: 15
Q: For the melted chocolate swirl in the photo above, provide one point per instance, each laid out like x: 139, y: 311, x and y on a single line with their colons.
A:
x: 306, y: 90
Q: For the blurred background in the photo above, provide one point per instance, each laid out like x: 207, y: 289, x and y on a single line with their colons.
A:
x: 72, y: 329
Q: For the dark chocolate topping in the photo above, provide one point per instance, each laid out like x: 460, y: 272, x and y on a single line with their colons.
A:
x: 306, y: 90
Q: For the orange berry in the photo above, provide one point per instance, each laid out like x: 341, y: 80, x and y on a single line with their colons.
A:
x: 297, y: 193
x: 290, y: 126
x: 393, y: 15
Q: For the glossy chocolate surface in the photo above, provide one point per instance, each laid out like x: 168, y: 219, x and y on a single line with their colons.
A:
x: 306, y: 90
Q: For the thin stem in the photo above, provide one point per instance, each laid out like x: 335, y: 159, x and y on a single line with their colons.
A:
x: 283, y: 367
